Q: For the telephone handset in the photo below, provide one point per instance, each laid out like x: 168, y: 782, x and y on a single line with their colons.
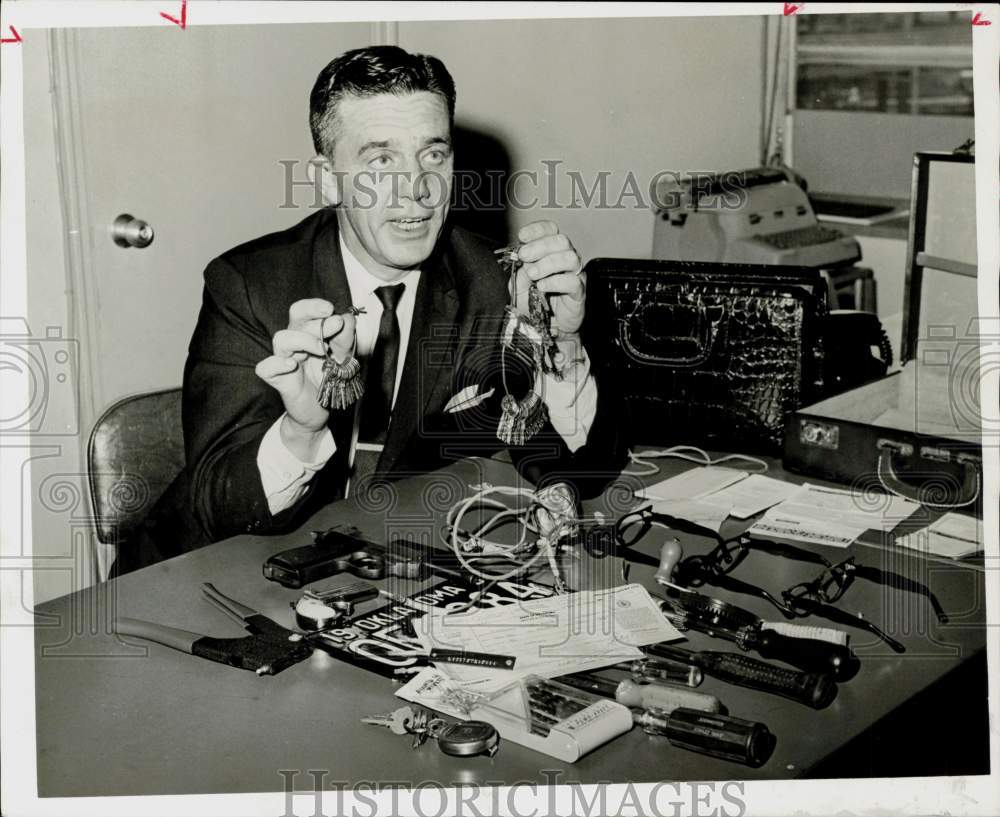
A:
x: 856, y: 350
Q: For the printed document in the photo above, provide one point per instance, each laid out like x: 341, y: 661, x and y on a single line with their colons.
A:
x: 832, y: 516
x: 572, y: 632
x: 751, y: 495
x: 953, y: 536
x: 693, y: 483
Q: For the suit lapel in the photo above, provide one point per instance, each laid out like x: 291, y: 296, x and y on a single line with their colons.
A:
x: 330, y: 282
x: 434, y: 314
x: 329, y: 278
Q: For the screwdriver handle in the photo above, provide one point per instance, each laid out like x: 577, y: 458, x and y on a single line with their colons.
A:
x: 809, y: 654
x: 812, y: 689
x: 664, y: 697
x: 653, y: 670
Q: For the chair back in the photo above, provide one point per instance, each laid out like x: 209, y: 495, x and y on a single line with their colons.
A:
x: 136, y: 450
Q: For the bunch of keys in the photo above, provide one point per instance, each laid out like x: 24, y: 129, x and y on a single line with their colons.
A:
x: 539, y: 319
x: 462, y: 739
x: 341, y: 384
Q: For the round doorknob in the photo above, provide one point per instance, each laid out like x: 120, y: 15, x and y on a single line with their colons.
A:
x: 129, y: 231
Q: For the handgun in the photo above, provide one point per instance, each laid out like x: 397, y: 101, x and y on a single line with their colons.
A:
x: 342, y: 550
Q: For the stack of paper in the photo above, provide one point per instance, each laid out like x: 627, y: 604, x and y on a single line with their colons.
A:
x: 752, y: 495
x: 704, y: 514
x: 573, y: 632
x: 707, y: 496
x: 953, y: 536
x: 832, y: 516
x: 693, y: 483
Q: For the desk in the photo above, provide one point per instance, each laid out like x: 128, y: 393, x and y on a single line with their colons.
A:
x: 122, y: 719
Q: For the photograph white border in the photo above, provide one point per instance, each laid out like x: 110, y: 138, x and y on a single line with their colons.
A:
x: 910, y: 796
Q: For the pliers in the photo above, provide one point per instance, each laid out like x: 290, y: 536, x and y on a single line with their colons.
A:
x: 268, y: 649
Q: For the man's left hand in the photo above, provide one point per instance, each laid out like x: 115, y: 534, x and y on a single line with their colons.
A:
x: 550, y: 261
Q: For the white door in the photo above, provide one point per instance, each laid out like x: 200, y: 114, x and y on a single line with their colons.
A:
x: 191, y: 131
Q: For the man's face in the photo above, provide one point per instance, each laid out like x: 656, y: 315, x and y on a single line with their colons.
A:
x: 392, y: 159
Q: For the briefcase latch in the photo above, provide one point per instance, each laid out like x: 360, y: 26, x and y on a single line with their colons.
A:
x: 819, y: 434
x: 903, y: 449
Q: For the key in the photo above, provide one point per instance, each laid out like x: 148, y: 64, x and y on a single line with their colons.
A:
x: 420, y: 727
x: 432, y: 728
x: 398, y: 721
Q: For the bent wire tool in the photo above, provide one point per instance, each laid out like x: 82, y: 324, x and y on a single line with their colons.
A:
x: 268, y: 649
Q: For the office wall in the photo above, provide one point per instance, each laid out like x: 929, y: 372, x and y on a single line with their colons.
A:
x: 629, y: 95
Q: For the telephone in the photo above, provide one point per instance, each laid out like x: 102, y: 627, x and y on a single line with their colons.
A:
x: 856, y: 350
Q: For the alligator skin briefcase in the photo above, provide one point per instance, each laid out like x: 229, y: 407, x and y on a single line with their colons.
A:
x: 712, y: 354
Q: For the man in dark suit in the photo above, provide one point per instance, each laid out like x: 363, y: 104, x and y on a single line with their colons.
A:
x: 262, y: 453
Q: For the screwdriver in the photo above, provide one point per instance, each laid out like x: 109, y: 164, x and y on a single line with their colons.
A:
x: 794, y: 644
x: 812, y: 689
x: 723, y: 736
x: 659, y: 670
x: 645, y: 696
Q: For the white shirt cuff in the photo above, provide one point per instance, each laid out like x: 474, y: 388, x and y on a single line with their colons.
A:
x: 284, y: 476
x: 572, y: 404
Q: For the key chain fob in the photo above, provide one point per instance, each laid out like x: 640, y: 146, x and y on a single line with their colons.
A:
x: 467, y: 738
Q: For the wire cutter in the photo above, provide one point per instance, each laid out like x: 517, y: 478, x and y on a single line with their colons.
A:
x: 268, y: 649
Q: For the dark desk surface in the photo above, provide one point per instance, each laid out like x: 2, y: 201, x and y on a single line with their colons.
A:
x: 123, y: 719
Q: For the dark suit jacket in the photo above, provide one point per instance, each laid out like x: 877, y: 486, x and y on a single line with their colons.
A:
x: 453, y: 343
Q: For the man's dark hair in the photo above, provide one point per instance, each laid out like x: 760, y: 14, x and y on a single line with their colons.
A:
x: 377, y: 69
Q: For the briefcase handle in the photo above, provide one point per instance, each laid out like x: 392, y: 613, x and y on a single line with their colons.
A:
x: 701, y: 338
x: 894, y: 484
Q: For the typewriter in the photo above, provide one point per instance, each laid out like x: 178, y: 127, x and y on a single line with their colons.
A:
x: 757, y: 216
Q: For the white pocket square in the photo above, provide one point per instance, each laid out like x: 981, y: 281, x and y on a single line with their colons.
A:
x: 467, y: 398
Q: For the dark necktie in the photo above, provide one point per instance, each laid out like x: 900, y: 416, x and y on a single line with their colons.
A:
x: 380, y: 378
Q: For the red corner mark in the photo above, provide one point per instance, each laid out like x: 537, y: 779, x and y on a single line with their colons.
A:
x: 977, y: 21
x: 791, y: 8
x: 184, y: 15
x: 15, y: 39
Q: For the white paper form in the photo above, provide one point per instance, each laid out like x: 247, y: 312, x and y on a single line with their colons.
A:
x: 832, y: 516
x: 752, y: 495
x: 693, y: 483
x: 573, y: 632
x: 701, y: 512
x: 953, y: 536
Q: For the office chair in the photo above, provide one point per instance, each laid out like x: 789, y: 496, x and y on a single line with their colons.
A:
x: 135, y: 450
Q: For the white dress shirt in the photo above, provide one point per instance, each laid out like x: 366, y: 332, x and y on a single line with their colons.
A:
x: 285, y: 478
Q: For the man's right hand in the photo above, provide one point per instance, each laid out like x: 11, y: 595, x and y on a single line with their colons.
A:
x: 296, y: 369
